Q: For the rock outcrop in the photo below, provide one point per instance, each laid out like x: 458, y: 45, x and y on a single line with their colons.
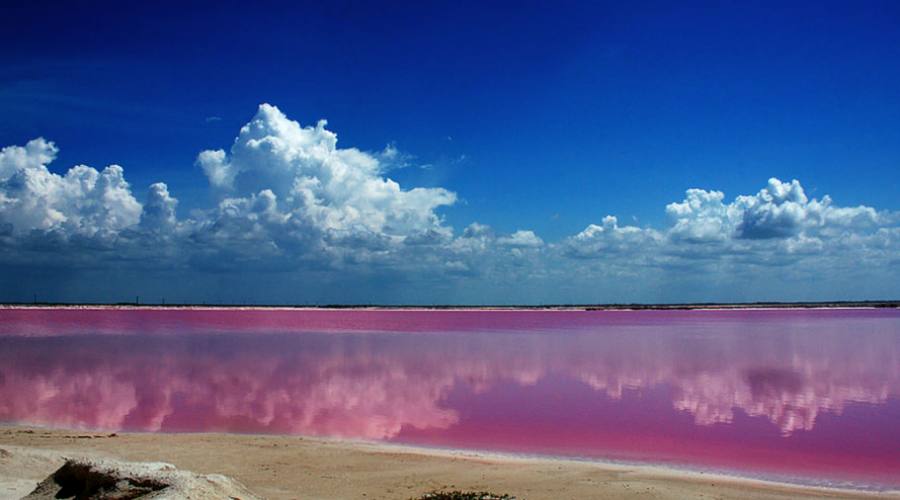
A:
x: 90, y: 479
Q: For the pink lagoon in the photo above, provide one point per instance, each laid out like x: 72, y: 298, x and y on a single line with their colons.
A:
x: 810, y: 396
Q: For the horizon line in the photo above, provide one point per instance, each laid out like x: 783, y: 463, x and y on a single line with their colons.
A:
x: 827, y: 304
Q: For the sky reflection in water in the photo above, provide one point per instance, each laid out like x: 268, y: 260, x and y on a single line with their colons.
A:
x: 799, y: 393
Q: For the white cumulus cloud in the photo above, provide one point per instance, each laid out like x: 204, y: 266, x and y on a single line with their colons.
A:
x: 610, y: 239
x: 159, y: 209
x: 779, y: 210
x: 521, y: 239
x: 84, y: 201
x: 339, y: 192
x: 289, y: 200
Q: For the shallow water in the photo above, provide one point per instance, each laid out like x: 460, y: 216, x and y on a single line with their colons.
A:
x: 802, y: 394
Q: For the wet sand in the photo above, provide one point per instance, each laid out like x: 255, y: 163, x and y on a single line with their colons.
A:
x: 286, y: 467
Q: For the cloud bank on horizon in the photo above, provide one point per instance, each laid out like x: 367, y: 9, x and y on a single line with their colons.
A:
x: 298, y: 219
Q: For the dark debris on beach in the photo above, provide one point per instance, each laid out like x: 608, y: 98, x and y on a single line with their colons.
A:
x: 463, y: 495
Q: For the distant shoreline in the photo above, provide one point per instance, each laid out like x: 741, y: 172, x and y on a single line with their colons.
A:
x: 872, y: 304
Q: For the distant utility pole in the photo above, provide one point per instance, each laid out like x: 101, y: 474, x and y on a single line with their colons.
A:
x: 137, y: 300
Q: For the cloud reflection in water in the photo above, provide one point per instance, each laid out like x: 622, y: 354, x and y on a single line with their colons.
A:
x: 424, y: 387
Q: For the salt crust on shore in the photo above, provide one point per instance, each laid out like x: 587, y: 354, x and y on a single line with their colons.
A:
x: 103, y: 478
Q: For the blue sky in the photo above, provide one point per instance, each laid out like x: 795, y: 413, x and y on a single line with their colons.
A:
x: 536, y: 117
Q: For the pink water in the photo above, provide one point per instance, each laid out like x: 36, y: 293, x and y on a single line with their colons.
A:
x: 805, y: 395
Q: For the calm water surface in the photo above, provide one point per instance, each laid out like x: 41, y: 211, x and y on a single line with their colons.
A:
x: 809, y: 395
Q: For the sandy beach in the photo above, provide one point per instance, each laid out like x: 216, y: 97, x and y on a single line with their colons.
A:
x: 288, y: 467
